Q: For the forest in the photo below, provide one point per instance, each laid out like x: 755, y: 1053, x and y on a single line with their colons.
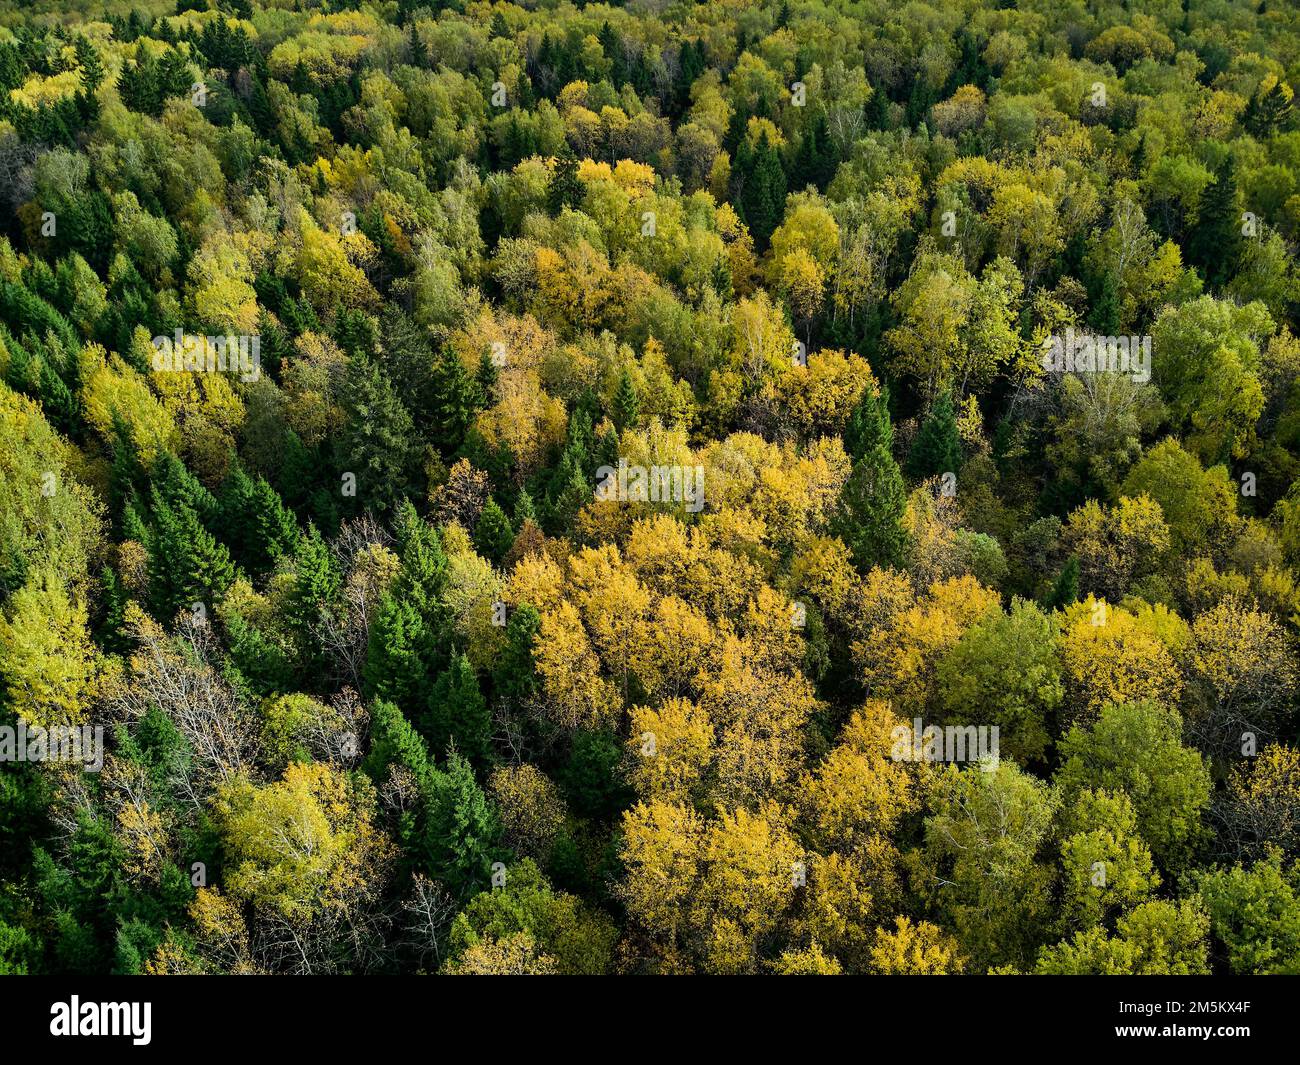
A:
x: 742, y: 487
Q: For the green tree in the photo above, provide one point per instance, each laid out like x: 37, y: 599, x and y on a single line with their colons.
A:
x: 937, y: 448
x: 1136, y: 749
x: 493, y: 536
x: 379, y: 437
x: 869, y: 515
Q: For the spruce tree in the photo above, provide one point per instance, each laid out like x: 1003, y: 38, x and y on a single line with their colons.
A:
x: 764, y: 193
x: 424, y: 567
x: 524, y: 510
x: 454, y: 401
x: 378, y: 440
x: 394, y: 667
x: 869, y: 425
x: 92, y: 68
x: 869, y: 517
x: 937, y: 448
x: 514, y: 674
x: 316, y: 581
x: 564, y: 189
x: 626, y: 405
x: 466, y: 829
x: 493, y: 536
x: 1216, y: 241
x: 1066, y: 589
x: 1106, y: 309
x: 457, y: 713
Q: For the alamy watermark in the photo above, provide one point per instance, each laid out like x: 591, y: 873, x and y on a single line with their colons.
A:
x: 656, y: 484
x: 133, y: 1020
x: 192, y: 353
x: 952, y: 743
x: 1088, y: 353
x: 58, y: 743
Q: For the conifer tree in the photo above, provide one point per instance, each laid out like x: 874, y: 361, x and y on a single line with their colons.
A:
x: 466, y: 829
x: 1216, y: 241
x: 564, y: 189
x: 869, y: 517
x: 626, y: 405
x: 455, y: 399
x: 937, y: 449
x: 458, y: 714
x: 394, y: 667
x: 493, y: 536
x: 869, y: 426
x: 377, y: 443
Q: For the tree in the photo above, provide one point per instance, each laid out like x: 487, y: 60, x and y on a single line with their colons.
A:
x: 937, y: 449
x: 493, y: 536
x: 869, y: 426
x: 454, y: 398
x: 187, y: 565
x: 580, y: 940
x: 465, y: 827
x: 1270, y: 108
x: 1006, y: 671
x: 625, y: 405
x: 919, y: 949
x: 1245, y: 677
x: 1216, y: 241
x: 564, y: 189
x: 1255, y: 914
x: 1136, y: 749
x: 48, y: 665
x: 394, y: 656
x: 378, y: 440
x: 762, y: 199
x: 1106, y: 867
x: 1158, y: 938
x: 982, y: 838
x: 869, y: 515
x: 458, y: 715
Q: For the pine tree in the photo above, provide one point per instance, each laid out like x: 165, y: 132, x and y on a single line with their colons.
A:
x: 377, y: 444
x: 235, y: 520
x: 626, y: 405
x: 937, y: 449
x: 394, y: 667
x: 564, y: 189
x: 869, y: 517
x: 1216, y: 241
x: 572, y: 493
x: 493, y: 536
x: 395, y: 744
x: 869, y: 426
x: 458, y: 714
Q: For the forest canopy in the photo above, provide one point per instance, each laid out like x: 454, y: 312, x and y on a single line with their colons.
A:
x: 803, y: 487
